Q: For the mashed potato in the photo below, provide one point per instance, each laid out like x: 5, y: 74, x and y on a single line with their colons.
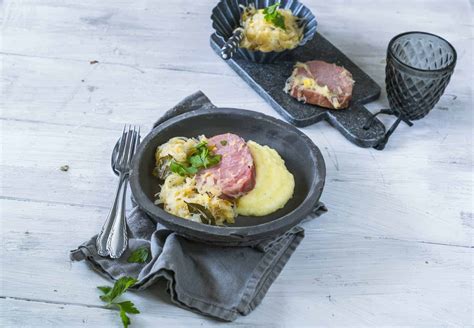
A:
x: 274, y: 184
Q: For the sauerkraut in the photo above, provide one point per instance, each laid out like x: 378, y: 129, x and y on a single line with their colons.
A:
x: 179, y: 195
x: 262, y: 35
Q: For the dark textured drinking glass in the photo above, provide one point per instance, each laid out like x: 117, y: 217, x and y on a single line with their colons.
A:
x: 419, y: 67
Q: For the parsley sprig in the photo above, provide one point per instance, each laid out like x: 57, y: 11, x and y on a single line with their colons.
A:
x: 201, y: 158
x: 111, y: 294
x: 140, y: 255
x: 273, y: 16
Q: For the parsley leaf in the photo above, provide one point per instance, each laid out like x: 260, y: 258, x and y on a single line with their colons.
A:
x: 270, y: 10
x: 279, y: 21
x: 119, y: 288
x: 201, y: 144
x: 140, y: 255
x: 126, y: 307
x: 112, y: 293
x: 206, y: 159
x: 201, y: 158
x: 178, y: 168
x: 104, y: 289
x: 125, y: 319
x: 212, y: 160
x: 196, y: 161
x: 182, y: 169
x: 273, y: 16
x: 224, y: 142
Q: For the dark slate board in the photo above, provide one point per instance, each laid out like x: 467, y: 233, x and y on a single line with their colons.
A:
x: 269, y: 79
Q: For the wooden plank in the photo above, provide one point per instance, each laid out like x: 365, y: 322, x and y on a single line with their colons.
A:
x: 396, y: 207
x: 394, y: 249
x: 53, y: 91
x: 358, y: 272
x: 112, y: 28
x: 22, y: 313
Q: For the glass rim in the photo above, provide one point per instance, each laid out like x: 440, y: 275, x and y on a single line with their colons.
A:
x: 447, y: 68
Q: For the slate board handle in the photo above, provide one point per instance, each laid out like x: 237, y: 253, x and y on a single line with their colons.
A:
x: 383, y: 142
x: 352, y: 126
x: 230, y: 47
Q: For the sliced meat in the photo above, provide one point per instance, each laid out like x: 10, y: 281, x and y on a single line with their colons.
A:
x: 234, y: 176
x: 319, y: 83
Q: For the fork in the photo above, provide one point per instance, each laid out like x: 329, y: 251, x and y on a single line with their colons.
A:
x: 112, y: 239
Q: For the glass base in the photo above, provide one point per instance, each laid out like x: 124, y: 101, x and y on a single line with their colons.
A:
x: 383, y: 142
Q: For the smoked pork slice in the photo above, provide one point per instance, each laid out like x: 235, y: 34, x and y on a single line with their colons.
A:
x: 320, y: 83
x: 234, y: 176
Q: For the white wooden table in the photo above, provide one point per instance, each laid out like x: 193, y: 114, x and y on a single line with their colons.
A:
x: 395, y: 247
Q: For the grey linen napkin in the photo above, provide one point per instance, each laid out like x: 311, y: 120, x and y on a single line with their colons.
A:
x: 222, y: 282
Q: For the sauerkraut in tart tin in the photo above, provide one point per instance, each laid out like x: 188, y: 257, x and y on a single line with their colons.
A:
x: 227, y: 16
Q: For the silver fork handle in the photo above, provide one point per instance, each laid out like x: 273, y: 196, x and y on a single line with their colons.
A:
x: 104, y: 235
x: 118, y: 239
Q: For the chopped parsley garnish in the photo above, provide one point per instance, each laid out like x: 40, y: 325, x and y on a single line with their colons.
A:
x: 111, y: 294
x: 201, y: 158
x: 182, y: 169
x: 273, y: 16
x: 224, y: 142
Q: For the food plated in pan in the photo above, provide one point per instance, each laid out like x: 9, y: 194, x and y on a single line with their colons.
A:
x: 301, y: 158
x: 212, y: 180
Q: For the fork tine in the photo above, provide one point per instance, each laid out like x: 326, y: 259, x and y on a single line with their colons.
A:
x: 126, y: 149
x: 137, y: 138
x: 137, y: 141
x: 122, y: 141
x: 132, y: 143
x: 132, y: 148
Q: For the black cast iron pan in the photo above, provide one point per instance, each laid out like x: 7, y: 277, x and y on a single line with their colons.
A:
x: 303, y: 159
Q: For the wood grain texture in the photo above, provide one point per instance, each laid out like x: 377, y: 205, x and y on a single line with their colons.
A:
x: 395, y: 249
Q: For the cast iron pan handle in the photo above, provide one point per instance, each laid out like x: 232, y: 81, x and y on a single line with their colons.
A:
x: 199, y: 100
